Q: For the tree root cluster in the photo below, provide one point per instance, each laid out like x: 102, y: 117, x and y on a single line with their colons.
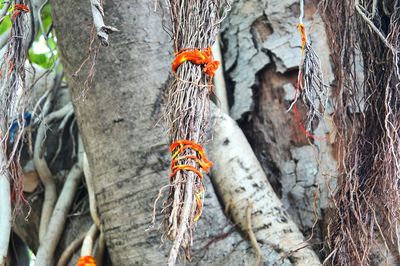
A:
x: 365, y: 44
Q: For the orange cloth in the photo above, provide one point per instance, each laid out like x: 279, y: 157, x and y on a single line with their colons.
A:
x: 18, y: 8
x: 179, y: 147
x: 198, y: 57
x: 86, y: 261
x: 303, y: 35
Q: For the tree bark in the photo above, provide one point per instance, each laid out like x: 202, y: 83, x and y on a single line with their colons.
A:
x: 262, y: 54
x: 242, y: 183
x: 119, y: 119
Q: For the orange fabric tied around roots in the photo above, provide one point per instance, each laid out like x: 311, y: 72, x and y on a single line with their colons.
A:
x: 177, y: 149
x: 86, y: 261
x: 303, y: 35
x: 198, y: 57
x: 18, y: 8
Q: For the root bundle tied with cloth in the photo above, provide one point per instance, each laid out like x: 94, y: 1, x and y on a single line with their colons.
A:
x: 195, y: 25
x: 14, y: 102
x: 310, y: 86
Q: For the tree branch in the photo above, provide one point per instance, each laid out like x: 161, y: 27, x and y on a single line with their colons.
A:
x: 219, y: 80
x: 90, y: 189
x: 50, y: 194
x: 59, y: 217
x: 70, y: 250
x: 240, y: 179
x: 102, y: 30
x: 90, y: 237
x: 4, y: 38
x: 4, y: 9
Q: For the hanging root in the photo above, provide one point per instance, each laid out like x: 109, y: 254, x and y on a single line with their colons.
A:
x: 310, y: 84
x: 70, y: 250
x: 14, y: 97
x: 219, y: 79
x: 50, y: 193
x: 101, y: 249
x: 195, y: 25
x: 313, y: 90
x: 90, y: 188
x: 86, y: 258
x: 88, y: 242
x: 59, y: 215
x: 365, y: 35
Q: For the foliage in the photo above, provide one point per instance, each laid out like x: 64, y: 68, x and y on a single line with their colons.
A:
x: 43, y: 51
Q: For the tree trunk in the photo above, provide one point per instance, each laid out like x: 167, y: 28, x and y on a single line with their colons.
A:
x: 126, y: 146
x: 119, y: 120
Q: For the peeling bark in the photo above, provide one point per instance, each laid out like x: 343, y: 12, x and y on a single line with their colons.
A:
x: 301, y: 173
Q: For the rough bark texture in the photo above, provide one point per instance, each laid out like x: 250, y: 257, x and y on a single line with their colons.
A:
x: 241, y: 182
x: 119, y: 122
x: 126, y: 147
x: 262, y: 53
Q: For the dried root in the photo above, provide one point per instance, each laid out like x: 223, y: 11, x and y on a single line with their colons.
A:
x: 13, y: 103
x: 14, y: 96
x: 365, y: 44
x: 310, y: 84
x: 195, y: 25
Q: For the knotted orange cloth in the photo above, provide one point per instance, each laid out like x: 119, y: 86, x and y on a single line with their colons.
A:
x: 18, y: 8
x: 198, y: 57
x: 303, y: 35
x: 86, y: 261
x: 177, y: 149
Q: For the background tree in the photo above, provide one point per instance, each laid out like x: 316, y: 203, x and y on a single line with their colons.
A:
x: 118, y: 95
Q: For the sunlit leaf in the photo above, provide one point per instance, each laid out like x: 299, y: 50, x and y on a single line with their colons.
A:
x: 5, y: 24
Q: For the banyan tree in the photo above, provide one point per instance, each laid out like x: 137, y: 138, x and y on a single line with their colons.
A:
x: 199, y: 132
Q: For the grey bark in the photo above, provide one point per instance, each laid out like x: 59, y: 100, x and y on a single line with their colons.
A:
x: 262, y: 53
x: 241, y: 182
x: 125, y: 144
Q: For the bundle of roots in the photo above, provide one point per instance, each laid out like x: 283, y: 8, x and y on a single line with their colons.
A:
x: 14, y: 96
x: 310, y: 84
x: 195, y: 25
x: 365, y: 44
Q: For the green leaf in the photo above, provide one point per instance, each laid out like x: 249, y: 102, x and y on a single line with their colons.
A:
x: 44, y: 60
x: 5, y: 24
